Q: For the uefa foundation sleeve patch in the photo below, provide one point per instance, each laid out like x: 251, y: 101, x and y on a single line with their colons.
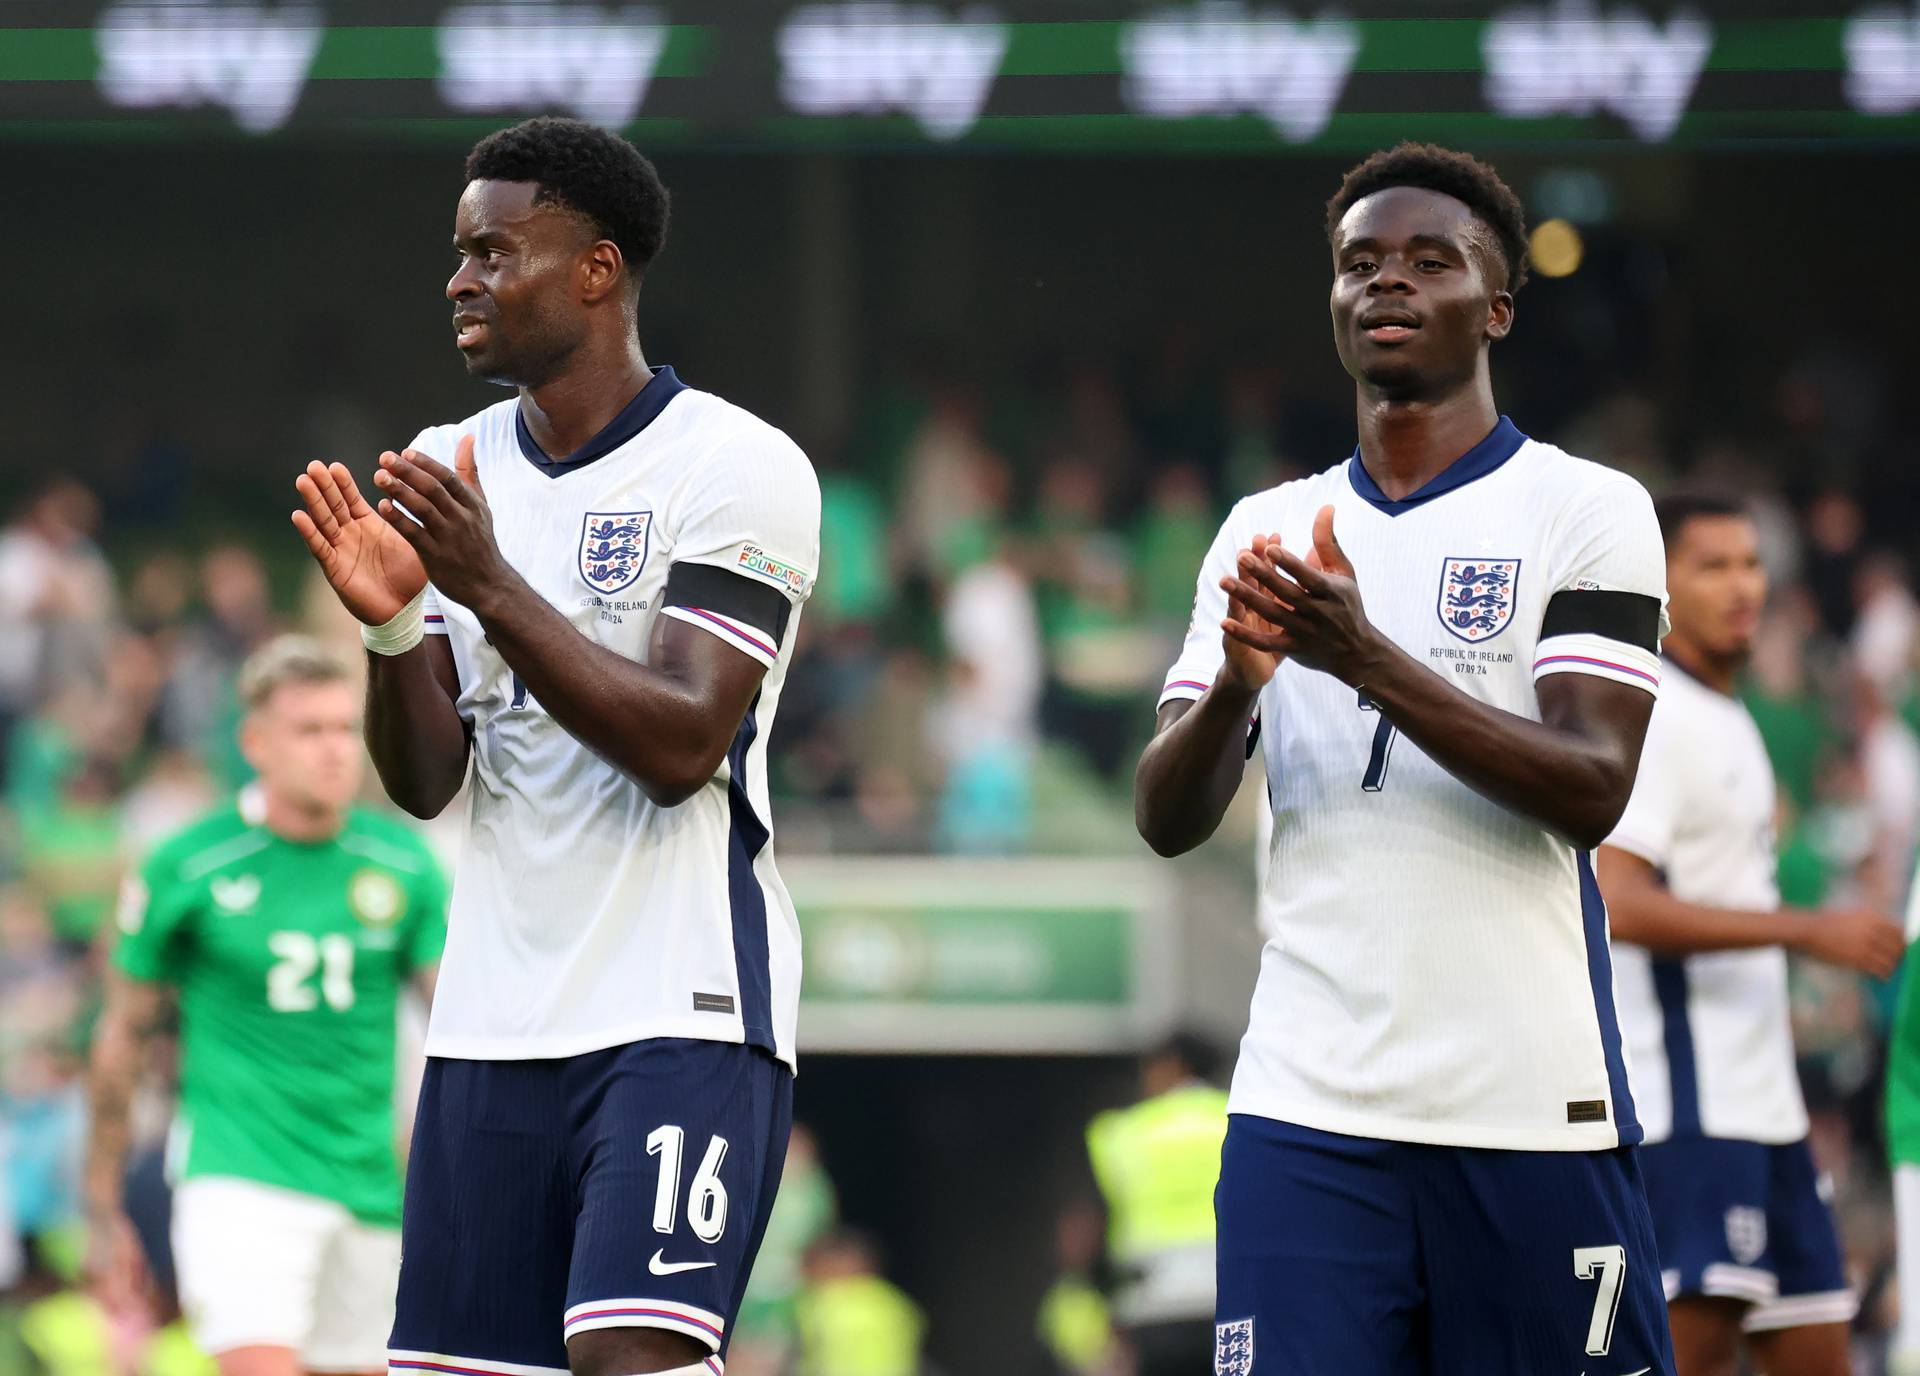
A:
x: 792, y: 579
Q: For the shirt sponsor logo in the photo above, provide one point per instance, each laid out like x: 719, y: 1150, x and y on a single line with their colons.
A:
x: 1233, y: 1348
x: 613, y: 548
x: 375, y: 898
x: 1476, y: 596
x: 757, y: 561
x: 235, y: 894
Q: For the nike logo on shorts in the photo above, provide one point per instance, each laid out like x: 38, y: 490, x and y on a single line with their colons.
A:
x: 661, y: 1267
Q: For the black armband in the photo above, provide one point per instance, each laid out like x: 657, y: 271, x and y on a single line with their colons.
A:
x: 1632, y: 618
x: 721, y: 592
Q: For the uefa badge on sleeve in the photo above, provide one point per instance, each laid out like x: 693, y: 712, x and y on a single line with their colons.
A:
x: 1476, y: 596
x: 1233, y: 1348
x: 613, y: 548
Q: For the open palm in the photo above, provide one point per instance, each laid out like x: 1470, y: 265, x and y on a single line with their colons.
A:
x: 371, y: 567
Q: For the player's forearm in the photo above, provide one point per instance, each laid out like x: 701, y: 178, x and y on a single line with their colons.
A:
x: 413, y: 730
x: 1573, y: 784
x: 113, y: 1076
x: 1190, y: 771
x: 1650, y: 916
x: 648, y: 724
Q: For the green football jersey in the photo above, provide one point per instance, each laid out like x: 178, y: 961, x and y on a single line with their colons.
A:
x: 1903, y: 1054
x: 289, y: 958
x: 1903, y: 1065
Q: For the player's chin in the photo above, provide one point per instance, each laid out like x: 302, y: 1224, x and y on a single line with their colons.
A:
x: 485, y: 361
x: 1384, y: 368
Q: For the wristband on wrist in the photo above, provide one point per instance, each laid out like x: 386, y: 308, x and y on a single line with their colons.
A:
x: 402, y: 633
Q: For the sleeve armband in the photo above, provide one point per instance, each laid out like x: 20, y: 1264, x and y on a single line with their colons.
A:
x: 743, y: 611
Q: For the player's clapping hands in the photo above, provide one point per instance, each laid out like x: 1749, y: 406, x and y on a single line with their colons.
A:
x: 1251, y: 661
x: 1312, y: 606
x: 443, y: 515
x: 373, y: 571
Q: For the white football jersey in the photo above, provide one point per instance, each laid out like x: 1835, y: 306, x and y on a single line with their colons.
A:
x: 583, y: 915
x: 1710, y: 1036
x: 1439, y: 969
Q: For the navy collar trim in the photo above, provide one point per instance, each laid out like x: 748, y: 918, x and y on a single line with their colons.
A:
x: 1501, y: 444
x: 634, y: 417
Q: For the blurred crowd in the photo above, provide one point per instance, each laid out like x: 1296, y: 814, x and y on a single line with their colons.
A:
x: 1006, y: 575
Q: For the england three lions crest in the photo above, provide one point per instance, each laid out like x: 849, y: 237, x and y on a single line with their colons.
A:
x: 1476, y: 596
x: 1233, y: 1348
x: 613, y: 548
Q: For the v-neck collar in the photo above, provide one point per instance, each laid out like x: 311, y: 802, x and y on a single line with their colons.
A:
x: 1501, y: 444
x: 634, y: 417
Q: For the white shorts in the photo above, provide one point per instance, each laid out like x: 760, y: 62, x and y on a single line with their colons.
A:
x: 1905, y: 1358
x: 260, y: 1266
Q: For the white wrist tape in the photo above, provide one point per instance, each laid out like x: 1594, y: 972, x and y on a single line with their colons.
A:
x: 401, y: 634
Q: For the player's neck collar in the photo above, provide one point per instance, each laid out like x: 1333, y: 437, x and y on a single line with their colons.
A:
x: 1502, y: 443
x: 634, y: 417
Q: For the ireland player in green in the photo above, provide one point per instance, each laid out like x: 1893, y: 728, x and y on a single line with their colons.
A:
x: 1903, y: 1145
x: 286, y: 925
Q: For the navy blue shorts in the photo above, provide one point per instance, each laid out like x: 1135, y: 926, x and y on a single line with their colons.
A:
x: 1362, y: 1257
x: 1748, y: 1221
x: 624, y: 1188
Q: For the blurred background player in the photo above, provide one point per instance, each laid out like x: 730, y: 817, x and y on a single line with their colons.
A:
x: 1073, y: 1326
x: 1156, y: 1162
x: 1426, y: 1168
x: 1747, y: 1240
x: 285, y: 926
x: 764, y: 1333
x: 617, y: 562
x: 852, y: 1320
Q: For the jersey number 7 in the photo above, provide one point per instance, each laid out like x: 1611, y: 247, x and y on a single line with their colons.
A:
x: 1375, y: 778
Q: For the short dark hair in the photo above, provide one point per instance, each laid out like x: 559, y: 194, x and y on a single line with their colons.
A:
x: 1451, y: 173
x: 1195, y: 1053
x: 1674, y: 509
x: 588, y: 170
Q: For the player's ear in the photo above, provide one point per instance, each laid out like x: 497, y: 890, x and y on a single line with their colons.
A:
x: 252, y: 740
x: 602, y: 271
x: 1500, y: 315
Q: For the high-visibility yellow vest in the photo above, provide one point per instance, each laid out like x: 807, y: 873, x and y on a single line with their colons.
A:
x: 69, y: 1335
x: 173, y: 1352
x: 1075, y: 1324
x: 858, y: 1326
x: 1157, y: 1163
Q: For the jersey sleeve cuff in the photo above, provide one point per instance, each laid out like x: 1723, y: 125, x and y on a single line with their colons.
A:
x: 1599, y: 655
x: 749, y: 640
x: 1634, y: 845
x: 1181, y: 688
x: 433, y: 620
